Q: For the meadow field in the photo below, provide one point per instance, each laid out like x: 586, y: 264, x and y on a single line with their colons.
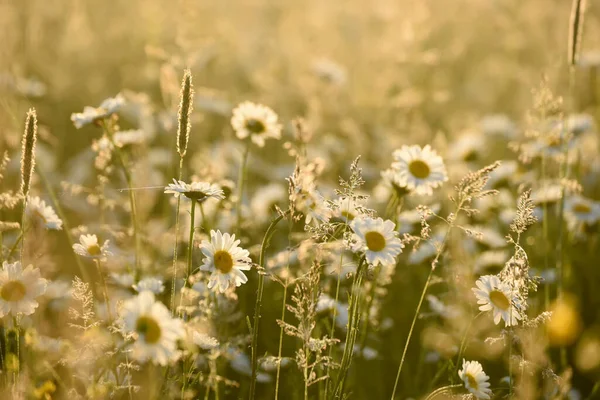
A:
x: 259, y: 199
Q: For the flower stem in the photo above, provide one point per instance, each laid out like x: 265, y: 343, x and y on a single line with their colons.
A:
x: 191, y: 240
x: 240, y: 187
x: 110, y: 318
x: 351, y: 332
x: 412, y: 327
x: 259, y: 294
x: 283, y: 304
x: 176, y: 242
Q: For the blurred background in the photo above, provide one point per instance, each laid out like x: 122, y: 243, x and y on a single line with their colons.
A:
x: 367, y: 77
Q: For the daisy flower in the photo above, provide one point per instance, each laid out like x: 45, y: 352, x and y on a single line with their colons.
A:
x: 154, y: 330
x: 378, y: 239
x: 420, y: 170
x: 131, y: 136
x: 19, y: 289
x: 255, y: 121
x: 39, y: 212
x: 199, y: 191
x: 475, y: 380
x: 579, y: 209
x: 225, y: 260
x: 497, y: 296
x: 93, y: 114
x: 151, y: 284
x: 347, y: 209
x: 89, y: 247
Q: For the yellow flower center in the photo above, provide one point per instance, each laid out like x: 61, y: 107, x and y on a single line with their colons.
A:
x: 375, y: 241
x: 582, y: 208
x: 499, y: 299
x: 94, y: 250
x: 223, y: 261
x: 149, y: 328
x: 255, y: 126
x: 13, y: 291
x: 348, y: 215
x: 419, y: 169
x: 472, y: 382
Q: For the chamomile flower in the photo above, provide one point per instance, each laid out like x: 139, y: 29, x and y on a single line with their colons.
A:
x: 19, y: 289
x: 128, y: 137
x: 346, y: 209
x: 418, y: 169
x: 497, y: 296
x: 579, y: 209
x: 255, y: 121
x: 225, y: 260
x: 151, y: 284
x: 93, y: 114
x: 475, y: 380
x: 378, y: 239
x: 89, y: 247
x: 154, y: 330
x: 199, y: 191
x: 40, y: 213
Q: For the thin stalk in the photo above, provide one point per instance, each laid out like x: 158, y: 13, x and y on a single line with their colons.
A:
x: 240, y: 187
x: 120, y: 156
x: 136, y: 236
x: 418, y: 310
x: 283, y: 304
x: 368, y: 309
x: 191, y: 240
x: 337, y: 295
x: 463, y: 342
x: 351, y: 332
x: 410, y: 332
x: 441, y: 390
x: 259, y: 294
x: 106, y: 300
x: 176, y: 243
x: 63, y: 217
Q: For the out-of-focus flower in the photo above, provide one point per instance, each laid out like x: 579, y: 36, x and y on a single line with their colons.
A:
x: 154, y: 330
x: 93, y: 114
x: 256, y: 122
x: 19, y: 289
x: 39, y: 212
x: 89, y: 247
x: 475, y: 380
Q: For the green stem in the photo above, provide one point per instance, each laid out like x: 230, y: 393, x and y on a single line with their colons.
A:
x: 121, y: 157
x: 351, y: 332
x: 176, y: 243
x: 240, y: 187
x: 191, y: 240
x: 106, y: 300
x: 410, y: 332
x: 259, y: 294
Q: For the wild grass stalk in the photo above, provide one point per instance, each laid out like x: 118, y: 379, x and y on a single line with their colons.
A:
x: 259, y: 294
x: 27, y: 166
x: 352, y: 329
x: 186, y: 103
x: 240, y: 186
